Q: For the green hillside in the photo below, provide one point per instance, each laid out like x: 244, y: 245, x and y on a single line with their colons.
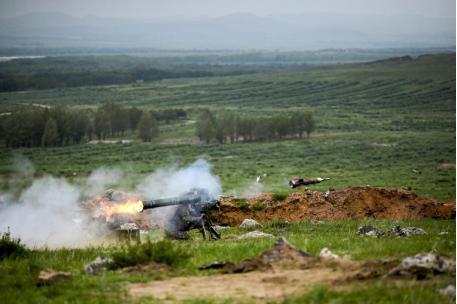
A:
x: 388, y: 123
x: 422, y: 85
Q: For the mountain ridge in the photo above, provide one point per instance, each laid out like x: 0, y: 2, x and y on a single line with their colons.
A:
x: 233, y: 31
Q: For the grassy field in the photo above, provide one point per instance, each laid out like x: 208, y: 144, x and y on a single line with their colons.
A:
x: 387, y: 124
x: 383, y: 124
x: 19, y: 276
x: 349, y: 158
x: 366, y: 83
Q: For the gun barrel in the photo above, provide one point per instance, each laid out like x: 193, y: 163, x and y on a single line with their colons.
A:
x: 169, y: 202
x: 196, y: 197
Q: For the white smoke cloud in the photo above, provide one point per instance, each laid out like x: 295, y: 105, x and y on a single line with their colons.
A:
x: 45, y: 215
x: 22, y: 166
x: 22, y: 174
x: 99, y: 179
x: 48, y: 213
x: 175, y: 181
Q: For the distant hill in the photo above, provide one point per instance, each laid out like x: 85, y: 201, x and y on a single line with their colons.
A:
x: 235, y: 31
x: 393, y: 60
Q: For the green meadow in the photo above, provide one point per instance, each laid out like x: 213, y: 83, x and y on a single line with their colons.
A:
x: 19, y: 275
x: 388, y: 124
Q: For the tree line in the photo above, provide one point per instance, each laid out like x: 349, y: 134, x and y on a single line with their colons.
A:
x: 230, y: 127
x: 50, y: 80
x: 61, y: 126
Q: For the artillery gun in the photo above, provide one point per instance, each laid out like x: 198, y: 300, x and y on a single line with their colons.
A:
x: 191, y: 213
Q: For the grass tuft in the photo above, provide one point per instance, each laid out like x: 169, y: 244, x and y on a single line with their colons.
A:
x: 11, y: 247
x: 165, y: 252
x: 279, y: 196
x: 258, y: 206
x: 375, y: 293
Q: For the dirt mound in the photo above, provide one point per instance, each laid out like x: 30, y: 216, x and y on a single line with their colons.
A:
x: 284, y: 255
x: 354, y: 203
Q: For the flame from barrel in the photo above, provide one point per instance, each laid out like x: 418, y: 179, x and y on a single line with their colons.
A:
x: 131, y: 206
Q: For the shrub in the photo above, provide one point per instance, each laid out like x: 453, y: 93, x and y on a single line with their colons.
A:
x: 11, y: 247
x: 244, y: 205
x: 279, y: 196
x: 241, y: 203
x: 258, y: 205
x: 280, y: 223
x: 164, y: 252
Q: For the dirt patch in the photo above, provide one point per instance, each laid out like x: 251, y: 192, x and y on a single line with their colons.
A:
x: 348, y: 204
x: 446, y: 166
x: 279, y: 271
x: 191, y: 140
x: 256, y: 285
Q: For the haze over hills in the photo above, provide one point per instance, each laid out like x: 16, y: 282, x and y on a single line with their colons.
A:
x: 234, y: 31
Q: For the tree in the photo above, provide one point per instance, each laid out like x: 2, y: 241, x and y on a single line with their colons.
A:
x: 147, y: 127
x: 2, y: 128
x: 134, y: 117
x: 90, y: 127
x: 298, y: 123
x: 309, y: 124
x: 302, y: 122
x: 226, y: 127
x: 245, y: 128
x: 120, y: 120
x: 80, y: 125
x: 50, y: 135
x: 63, y: 121
x: 206, y: 126
x: 280, y: 125
x: 102, y: 124
x: 263, y: 129
x: 11, y: 128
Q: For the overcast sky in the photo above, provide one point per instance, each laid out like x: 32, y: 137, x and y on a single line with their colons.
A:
x: 139, y: 9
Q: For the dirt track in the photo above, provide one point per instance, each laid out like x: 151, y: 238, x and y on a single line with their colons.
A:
x: 348, y: 204
x: 254, y: 285
x: 277, y: 272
